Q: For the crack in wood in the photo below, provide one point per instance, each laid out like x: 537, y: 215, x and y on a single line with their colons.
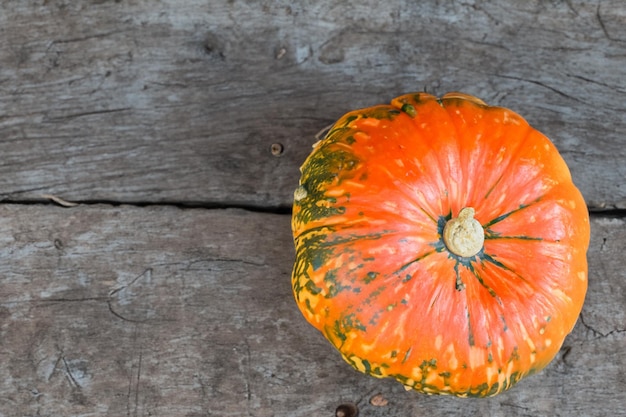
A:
x: 193, y: 266
x: 132, y: 397
x: 137, y: 382
x: 123, y: 318
x: 69, y: 374
x: 597, y: 333
x: 516, y: 406
x: 147, y: 273
x: 53, y: 300
x: 86, y: 38
x: 600, y: 19
x: 565, y: 352
x: 67, y: 117
x: 612, y: 88
x: 541, y: 84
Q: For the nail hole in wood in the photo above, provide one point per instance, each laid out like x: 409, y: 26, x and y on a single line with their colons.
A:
x: 347, y: 410
x: 277, y: 149
x: 213, y: 46
x: 58, y: 243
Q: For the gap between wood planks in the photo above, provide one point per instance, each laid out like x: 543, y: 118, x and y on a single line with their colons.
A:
x: 49, y: 199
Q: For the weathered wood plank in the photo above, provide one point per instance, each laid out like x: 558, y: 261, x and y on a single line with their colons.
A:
x: 142, y: 101
x: 128, y: 311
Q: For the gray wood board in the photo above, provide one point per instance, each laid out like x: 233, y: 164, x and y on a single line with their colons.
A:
x: 161, y: 311
x: 172, y: 101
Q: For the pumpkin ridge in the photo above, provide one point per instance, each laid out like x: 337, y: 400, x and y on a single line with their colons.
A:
x: 471, y: 340
x: 502, y: 217
x: 482, y: 282
x: 468, y: 263
x: 512, y: 154
x: 401, y: 187
x: 491, y: 235
x: 455, y: 104
x: 516, y: 297
x: 500, y: 265
x: 458, y: 283
x: 448, y: 104
x: 418, y: 259
x: 495, y: 184
x: 424, y: 100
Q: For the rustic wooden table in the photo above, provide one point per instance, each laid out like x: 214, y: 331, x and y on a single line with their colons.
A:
x: 178, y: 127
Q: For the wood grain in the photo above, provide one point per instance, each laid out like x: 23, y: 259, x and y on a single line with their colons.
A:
x: 145, y: 101
x: 127, y: 311
x: 143, y: 307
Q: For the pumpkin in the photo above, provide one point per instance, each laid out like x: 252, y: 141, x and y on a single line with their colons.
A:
x: 440, y: 242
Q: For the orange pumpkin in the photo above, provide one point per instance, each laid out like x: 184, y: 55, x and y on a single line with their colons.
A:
x: 440, y: 242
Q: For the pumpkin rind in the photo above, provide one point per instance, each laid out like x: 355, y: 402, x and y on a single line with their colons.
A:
x: 373, y: 272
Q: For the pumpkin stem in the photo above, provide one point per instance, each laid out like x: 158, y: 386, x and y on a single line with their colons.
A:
x: 464, y: 236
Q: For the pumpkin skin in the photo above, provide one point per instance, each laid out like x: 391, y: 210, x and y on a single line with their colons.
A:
x: 373, y: 272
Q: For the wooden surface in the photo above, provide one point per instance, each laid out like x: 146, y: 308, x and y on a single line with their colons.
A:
x: 166, y: 292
